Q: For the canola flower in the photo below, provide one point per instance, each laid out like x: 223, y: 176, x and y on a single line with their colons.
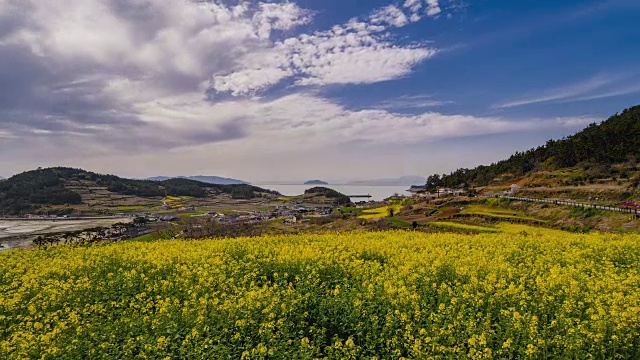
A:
x: 380, y: 212
x: 463, y: 227
x: 382, y: 295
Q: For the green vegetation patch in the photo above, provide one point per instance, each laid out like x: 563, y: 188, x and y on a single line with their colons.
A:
x: 25, y: 192
x: 586, y: 212
x: 340, y: 198
x: 130, y: 208
x: 380, y: 212
x: 349, y: 209
x: 147, y: 238
x: 32, y: 190
x: 496, y: 212
x: 400, y: 223
x: 620, y: 132
x: 187, y: 214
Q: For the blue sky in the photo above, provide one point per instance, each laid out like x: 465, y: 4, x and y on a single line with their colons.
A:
x: 497, y: 52
x: 300, y: 89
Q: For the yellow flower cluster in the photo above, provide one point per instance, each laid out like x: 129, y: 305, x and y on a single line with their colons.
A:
x: 380, y: 212
x: 383, y: 295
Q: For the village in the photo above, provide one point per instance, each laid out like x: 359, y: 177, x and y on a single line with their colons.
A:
x: 175, y: 212
x: 289, y: 213
x: 421, y: 192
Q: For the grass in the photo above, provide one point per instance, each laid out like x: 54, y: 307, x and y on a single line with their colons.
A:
x: 381, y: 212
x: 523, y: 229
x: 500, y: 228
x: 130, y: 208
x: 430, y: 212
x: 188, y: 214
x: 399, y: 222
x: 497, y: 212
x: 625, y: 231
x: 348, y: 210
x: 147, y: 237
x: 462, y: 227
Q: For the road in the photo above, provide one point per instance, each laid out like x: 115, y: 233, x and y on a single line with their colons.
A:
x: 64, y: 219
x: 575, y: 204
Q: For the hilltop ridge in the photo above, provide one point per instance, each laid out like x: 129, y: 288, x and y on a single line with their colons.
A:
x: 217, y: 180
x: 604, y: 154
x: 57, y: 189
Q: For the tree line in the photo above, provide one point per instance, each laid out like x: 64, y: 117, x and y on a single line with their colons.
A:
x: 119, y: 231
x: 341, y: 199
x: 613, y: 141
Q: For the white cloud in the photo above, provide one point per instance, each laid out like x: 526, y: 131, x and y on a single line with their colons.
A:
x: 94, y: 61
x: 113, y: 80
x: 311, y: 122
x: 192, y: 38
x: 433, y: 8
x: 285, y: 16
x: 597, y: 87
x: 413, y: 5
x: 390, y: 15
x: 623, y: 90
x: 4, y: 134
x: 411, y: 103
x: 358, y: 52
x: 363, y: 64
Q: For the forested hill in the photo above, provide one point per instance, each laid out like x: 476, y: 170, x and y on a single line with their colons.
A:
x: 57, y: 186
x: 613, y: 141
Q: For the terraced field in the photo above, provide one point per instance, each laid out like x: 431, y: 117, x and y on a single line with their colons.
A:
x: 497, y: 213
x: 455, y: 226
x: 380, y: 212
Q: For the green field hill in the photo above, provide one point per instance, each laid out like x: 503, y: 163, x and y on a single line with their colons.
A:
x: 65, y: 190
x: 600, y: 161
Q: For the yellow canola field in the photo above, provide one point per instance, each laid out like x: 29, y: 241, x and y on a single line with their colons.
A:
x: 448, y: 225
x: 379, y: 295
x: 380, y: 212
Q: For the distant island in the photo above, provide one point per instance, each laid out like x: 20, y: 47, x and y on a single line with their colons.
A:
x: 316, y: 182
x: 217, y: 180
x: 401, y: 181
x: 340, y: 198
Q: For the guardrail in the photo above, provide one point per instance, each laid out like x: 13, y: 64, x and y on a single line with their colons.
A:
x: 575, y: 204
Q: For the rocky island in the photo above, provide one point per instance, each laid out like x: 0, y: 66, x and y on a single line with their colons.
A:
x: 316, y: 182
